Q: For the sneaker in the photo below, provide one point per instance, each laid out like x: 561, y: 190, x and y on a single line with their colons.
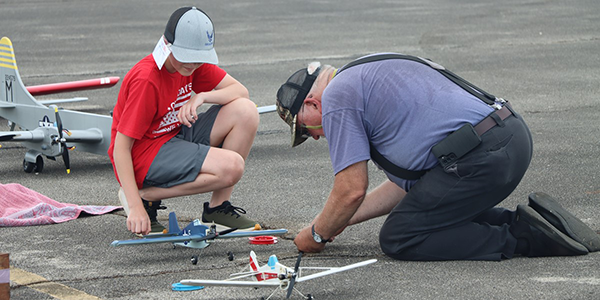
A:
x: 151, y: 209
x: 227, y: 216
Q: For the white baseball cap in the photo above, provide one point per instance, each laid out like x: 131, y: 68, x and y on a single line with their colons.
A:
x: 191, y: 35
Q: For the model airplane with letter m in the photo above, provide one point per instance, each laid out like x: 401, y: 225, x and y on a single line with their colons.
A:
x: 275, y: 275
x: 47, y: 130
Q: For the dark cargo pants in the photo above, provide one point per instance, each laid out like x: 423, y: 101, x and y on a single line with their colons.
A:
x: 451, y: 214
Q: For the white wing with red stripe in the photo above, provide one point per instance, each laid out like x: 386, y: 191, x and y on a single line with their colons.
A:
x: 335, y: 270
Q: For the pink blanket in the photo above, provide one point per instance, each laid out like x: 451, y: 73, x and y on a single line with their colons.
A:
x: 20, y: 206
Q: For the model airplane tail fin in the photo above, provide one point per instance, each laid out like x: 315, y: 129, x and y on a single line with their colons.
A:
x: 173, y: 226
x: 13, y: 90
x: 253, y: 262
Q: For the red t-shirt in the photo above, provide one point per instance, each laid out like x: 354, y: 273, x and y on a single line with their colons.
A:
x: 147, y: 107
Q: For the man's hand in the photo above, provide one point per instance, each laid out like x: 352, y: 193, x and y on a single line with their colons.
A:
x: 138, y: 221
x: 305, y: 242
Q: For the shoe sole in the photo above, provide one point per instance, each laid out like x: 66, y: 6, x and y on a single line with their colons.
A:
x: 566, y: 222
x: 536, y: 220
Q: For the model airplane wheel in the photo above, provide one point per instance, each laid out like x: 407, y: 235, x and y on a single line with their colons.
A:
x: 230, y: 255
x: 39, y: 164
x: 309, y: 297
x: 194, y: 260
x: 28, y: 167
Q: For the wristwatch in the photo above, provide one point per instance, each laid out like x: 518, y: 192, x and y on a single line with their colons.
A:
x: 317, y: 237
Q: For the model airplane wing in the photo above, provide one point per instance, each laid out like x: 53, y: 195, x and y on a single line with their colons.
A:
x: 169, y: 238
x: 155, y: 240
x: 61, y: 87
x: 201, y: 282
x: 266, y: 109
x: 67, y: 100
x: 335, y: 270
x: 238, y: 234
x: 32, y: 136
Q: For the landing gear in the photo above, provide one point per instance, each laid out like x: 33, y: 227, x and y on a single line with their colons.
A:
x: 38, y: 166
x: 230, y: 256
x: 194, y: 259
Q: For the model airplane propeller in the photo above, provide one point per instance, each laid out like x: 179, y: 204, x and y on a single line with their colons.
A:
x: 85, y: 131
x: 274, y: 274
x: 194, y: 235
x: 294, y: 275
x: 62, y: 141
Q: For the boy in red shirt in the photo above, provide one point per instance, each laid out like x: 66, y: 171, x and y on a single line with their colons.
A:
x: 154, y: 156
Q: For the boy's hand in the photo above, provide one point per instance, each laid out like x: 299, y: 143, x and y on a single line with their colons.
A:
x: 138, y: 221
x: 187, y: 115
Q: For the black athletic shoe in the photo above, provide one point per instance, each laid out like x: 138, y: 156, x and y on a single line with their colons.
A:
x: 542, y: 238
x: 566, y: 222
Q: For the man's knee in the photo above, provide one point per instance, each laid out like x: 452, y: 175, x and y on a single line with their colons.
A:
x: 393, y: 239
x: 389, y: 245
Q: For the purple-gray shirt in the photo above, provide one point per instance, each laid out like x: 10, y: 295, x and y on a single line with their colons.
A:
x: 402, y: 107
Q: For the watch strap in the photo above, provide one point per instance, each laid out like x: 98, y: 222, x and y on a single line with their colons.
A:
x: 315, y: 234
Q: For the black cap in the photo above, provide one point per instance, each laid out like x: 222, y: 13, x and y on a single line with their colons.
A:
x: 290, y: 97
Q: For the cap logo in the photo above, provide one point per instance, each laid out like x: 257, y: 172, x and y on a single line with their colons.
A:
x: 210, y: 38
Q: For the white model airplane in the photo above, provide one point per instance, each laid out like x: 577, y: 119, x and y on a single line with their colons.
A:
x: 47, y: 130
x: 274, y: 274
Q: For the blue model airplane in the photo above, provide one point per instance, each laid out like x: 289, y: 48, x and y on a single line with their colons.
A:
x: 194, y: 235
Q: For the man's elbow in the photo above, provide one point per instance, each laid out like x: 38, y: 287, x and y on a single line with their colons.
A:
x: 354, y: 197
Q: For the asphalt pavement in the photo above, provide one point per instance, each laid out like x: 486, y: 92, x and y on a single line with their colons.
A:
x: 543, y: 56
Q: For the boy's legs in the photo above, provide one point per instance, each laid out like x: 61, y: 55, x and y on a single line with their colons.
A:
x: 233, y: 130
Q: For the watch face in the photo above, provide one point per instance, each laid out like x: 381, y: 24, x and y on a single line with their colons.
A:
x: 315, y: 235
x: 317, y: 238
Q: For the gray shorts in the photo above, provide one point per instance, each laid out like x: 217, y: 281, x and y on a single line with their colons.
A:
x: 180, y: 159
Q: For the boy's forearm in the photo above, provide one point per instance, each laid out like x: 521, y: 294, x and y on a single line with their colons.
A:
x: 124, y: 168
x: 225, y: 95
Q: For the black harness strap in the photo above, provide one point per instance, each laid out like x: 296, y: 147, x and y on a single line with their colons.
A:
x: 393, y: 169
x: 484, y: 96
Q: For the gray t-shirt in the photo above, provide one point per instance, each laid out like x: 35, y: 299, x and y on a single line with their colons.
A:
x: 402, y: 107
